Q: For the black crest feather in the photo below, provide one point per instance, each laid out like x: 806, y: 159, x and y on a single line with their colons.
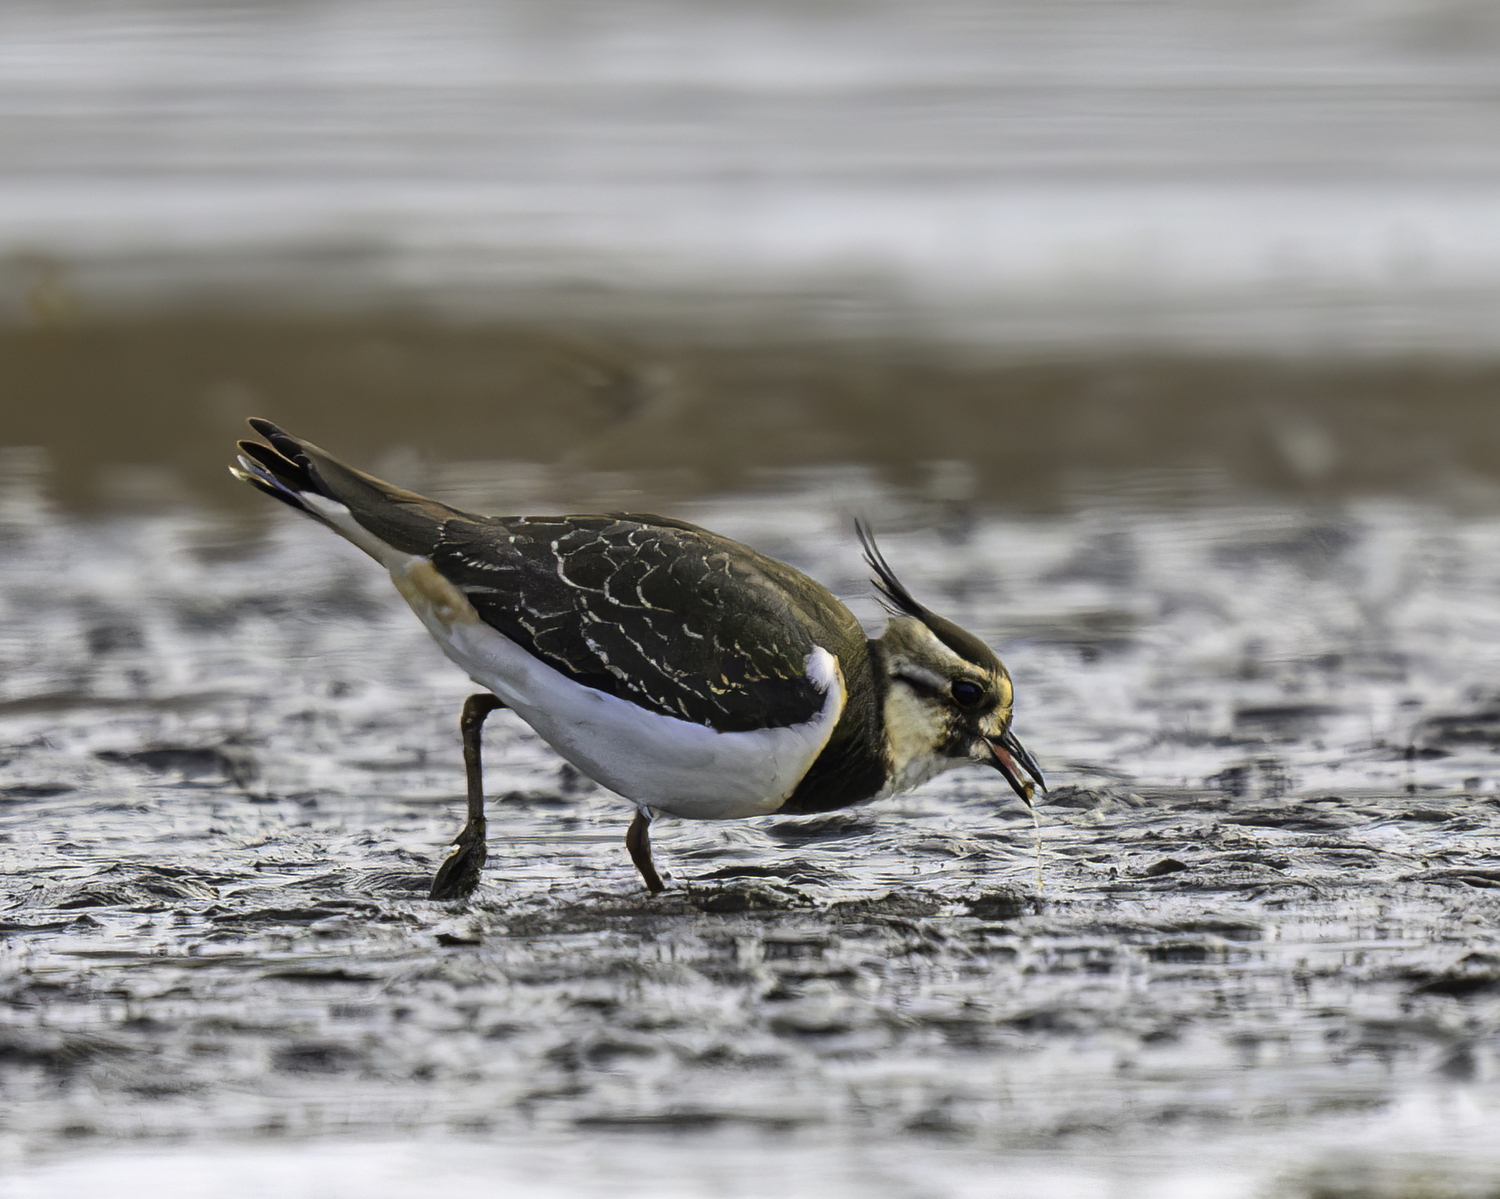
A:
x: 897, y: 598
x: 893, y: 592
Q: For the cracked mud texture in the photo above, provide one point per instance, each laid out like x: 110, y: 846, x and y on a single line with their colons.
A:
x: 1268, y: 926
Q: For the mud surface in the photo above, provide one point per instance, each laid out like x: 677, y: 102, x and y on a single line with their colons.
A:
x: 1265, y: 951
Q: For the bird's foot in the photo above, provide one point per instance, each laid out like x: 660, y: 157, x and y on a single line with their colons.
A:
x: 459, y: 874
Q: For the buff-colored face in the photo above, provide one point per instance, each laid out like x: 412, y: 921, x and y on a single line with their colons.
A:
x: 945, y: 708
x: 948, y: 697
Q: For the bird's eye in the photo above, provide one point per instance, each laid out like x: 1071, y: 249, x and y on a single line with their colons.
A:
x: 965, y: 693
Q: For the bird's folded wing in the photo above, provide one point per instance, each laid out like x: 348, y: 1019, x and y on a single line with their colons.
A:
x: 668, y: 616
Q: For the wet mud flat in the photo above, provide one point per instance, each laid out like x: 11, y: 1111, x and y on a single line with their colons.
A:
x: 1266, y: 943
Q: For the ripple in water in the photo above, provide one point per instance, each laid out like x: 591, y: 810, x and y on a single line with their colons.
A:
x: 1267, y: 951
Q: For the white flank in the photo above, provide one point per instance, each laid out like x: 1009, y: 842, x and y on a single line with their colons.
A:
x: 656, y: 761
x: 674, y: 766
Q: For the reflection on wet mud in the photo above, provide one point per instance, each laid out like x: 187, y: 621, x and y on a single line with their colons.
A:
x: 1269, y: 926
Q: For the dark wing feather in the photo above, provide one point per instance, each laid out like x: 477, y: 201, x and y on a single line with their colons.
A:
x: 656, y: 611
x: 661, y: 613
x: 290, y: 468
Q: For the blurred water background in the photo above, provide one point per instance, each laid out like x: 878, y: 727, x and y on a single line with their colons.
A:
x: 1159, y: 337
x: 1315, y: 176
x: 1050, y: 239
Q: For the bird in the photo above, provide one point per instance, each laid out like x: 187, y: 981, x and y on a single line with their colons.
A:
x: 686, y: 672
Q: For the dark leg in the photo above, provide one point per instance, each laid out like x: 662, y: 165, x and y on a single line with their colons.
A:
x: 638, y: 841
x: 459, y: 874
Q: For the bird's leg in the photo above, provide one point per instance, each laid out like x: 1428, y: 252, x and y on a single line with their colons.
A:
x: 638, y: 842
x: 459, y: 874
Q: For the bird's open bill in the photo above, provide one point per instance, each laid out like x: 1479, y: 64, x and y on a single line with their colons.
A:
x: 1010, y: 758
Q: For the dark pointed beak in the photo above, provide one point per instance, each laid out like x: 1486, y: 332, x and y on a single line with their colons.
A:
x: 1010, y: 759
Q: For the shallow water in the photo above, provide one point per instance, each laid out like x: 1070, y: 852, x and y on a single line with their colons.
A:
x: 1265, y: 958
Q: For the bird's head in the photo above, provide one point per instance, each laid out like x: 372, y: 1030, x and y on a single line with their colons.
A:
x: 949, y: 699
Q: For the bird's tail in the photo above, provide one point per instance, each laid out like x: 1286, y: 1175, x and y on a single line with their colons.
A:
x: 375, y: 515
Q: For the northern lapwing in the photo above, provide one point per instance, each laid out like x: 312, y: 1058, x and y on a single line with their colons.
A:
x: 684, y: 671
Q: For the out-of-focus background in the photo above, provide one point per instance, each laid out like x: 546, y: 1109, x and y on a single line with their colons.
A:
x: 1050, y: 240
x: 1162, y: 340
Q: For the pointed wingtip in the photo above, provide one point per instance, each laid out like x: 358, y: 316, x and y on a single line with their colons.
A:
x: 264, y: 427
x: 260, y: 483
x: 280, y: 469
